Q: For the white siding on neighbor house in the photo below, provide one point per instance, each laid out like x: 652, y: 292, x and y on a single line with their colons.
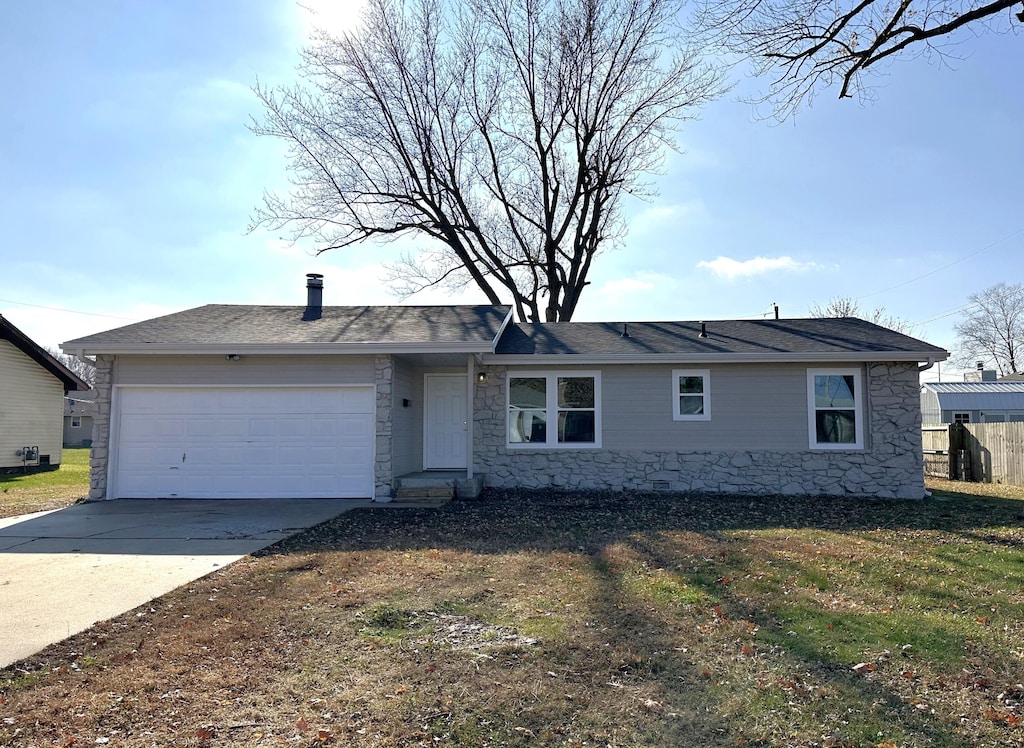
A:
x: 31, y: 407
x: 250, y: 370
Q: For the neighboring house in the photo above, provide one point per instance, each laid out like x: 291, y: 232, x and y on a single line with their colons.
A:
x: 277, y: 401
x: 32, y: 388
x: 79, y: 410
x: 972, y: 402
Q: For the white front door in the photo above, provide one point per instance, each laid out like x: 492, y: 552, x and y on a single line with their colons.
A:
x: 444, y: 421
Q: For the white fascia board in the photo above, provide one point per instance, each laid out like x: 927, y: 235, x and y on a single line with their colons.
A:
x: 563, y: 359
x: 253, y: 349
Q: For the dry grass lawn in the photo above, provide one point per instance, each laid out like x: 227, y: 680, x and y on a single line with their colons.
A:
x: 545, y: 620
x: 37, y: 492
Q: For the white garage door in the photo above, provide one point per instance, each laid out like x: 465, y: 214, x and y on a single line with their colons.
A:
x: 245, y: 442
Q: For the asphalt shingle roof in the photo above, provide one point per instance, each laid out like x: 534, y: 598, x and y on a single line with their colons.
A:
x: 240, y: 325
x: 828, y: 336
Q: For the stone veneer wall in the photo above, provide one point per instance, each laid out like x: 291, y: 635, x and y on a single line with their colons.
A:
x: 99, y: 455
x: 891, y: 467
x: 384, y: 376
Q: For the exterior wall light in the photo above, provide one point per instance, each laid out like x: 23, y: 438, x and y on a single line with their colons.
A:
x: 481, y: 377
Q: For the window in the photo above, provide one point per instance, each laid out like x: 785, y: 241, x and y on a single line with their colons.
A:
x: 691, y: 395
x: 76, y: 422
x: 961, y: 418
x: 554, y: 409
x: 835, y: 405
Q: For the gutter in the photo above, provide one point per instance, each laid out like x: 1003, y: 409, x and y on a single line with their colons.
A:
x: 708, y: 358
x: 317, y: 349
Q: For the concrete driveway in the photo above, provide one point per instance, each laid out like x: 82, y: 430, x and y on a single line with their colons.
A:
x: 62, y: 571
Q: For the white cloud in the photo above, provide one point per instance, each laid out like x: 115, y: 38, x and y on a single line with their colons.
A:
x: 658, y: 217
x: 329, y: 15
x: 622, y: 290
x: 726, y: 267
x: 626, y: 285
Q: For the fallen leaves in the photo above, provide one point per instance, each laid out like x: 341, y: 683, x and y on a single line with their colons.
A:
x: 559, y: 619
x: 1004, y: 718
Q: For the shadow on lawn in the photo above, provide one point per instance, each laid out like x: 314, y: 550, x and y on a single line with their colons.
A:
x: 638, y: 525
x: 500, y: 522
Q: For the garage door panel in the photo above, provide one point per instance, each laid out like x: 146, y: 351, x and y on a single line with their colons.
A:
x: 246, y: 442
x: 293, y: 427
x: 136, y: 456
x: 165, y: 484
x: 353, y: 426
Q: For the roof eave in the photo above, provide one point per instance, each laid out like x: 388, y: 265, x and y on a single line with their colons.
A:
x: 254, y: 349
x: 68, y: 379
x: 712, y: 358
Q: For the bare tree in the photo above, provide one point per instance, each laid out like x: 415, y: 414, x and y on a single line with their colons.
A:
x: 504, y: 132
x: 806, y: 45
x: 992, y: 329
x: 847, y: 306
x: 82, y: 369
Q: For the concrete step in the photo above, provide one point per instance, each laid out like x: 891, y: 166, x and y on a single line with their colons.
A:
x: 416, y: 492
x: 422, y: 481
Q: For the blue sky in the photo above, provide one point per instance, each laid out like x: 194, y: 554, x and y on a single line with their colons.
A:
x: 129, y: 177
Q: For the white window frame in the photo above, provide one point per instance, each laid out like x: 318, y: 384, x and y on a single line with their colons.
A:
x: 551, y: 408
x: 705, y: 374
x: 858, y: 409
x: 76, y: 425
x: 964, y: 417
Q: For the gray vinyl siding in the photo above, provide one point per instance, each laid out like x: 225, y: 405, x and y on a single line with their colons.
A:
x: 407, y: 428
x: 248, y: 370
x: 31, y: 407
x: 753, y: 407
x: 985, y: 416
x: 74, y: 437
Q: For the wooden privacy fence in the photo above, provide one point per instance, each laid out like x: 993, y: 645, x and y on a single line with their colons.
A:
x: 982, y: 452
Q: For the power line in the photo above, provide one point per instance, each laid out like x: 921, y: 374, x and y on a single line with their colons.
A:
x: 66, y: 311
x: 944, y: 267
x: 943, y: 315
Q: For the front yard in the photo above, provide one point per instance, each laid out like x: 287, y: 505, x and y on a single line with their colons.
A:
x: 534, y: 619
x: 36, y: 492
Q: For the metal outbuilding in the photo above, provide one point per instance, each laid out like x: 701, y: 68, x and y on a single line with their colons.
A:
x: 972, y: 402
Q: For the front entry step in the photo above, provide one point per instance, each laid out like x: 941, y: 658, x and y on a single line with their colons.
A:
x: 441, y: 485
x: 418, y: 492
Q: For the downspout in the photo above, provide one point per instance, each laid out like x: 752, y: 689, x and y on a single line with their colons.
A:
x: 470, y: 392
x: 927, y: 366
x: 868, y: 408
